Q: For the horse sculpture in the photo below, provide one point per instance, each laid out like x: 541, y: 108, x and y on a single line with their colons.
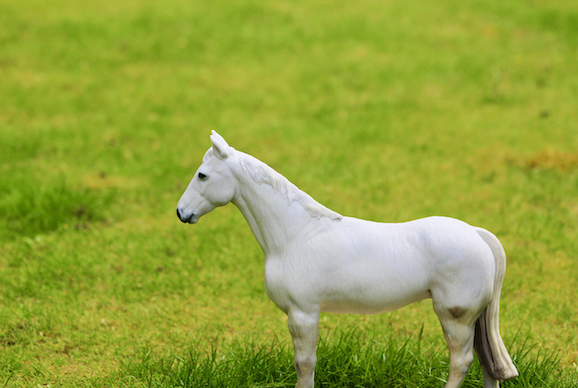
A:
x: 318, y: 260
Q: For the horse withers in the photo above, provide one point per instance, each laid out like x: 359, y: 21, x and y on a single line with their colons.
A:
x: 317, y: 260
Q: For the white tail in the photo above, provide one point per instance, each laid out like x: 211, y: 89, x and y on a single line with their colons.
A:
x: 490, y: 348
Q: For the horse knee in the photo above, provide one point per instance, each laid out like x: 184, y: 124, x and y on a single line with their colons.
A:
x: 305, y: 365
x: 305, y: 368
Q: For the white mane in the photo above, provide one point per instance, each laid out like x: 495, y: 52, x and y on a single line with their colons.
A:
x: 262, y: 173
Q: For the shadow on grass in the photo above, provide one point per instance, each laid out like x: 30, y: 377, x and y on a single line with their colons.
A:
x: 347, y: 359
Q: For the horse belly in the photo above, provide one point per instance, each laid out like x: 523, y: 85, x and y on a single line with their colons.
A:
x: 374, y: 292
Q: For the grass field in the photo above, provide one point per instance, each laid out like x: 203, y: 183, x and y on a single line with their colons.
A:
x: 381, y: 110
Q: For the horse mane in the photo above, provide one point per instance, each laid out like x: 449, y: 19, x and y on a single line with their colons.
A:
x: 262, y: 173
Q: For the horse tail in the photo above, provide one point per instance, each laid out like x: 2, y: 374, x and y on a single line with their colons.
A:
x: 488, y: 343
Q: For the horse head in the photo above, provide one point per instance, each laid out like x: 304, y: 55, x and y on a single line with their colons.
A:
x: 212, y: 185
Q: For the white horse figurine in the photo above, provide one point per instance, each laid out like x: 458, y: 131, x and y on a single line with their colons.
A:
x: 318, y: 260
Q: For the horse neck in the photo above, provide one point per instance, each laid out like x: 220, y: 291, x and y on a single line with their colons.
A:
x: 274, y: 221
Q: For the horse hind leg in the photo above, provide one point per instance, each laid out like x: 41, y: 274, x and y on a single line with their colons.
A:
x: 459, y: 333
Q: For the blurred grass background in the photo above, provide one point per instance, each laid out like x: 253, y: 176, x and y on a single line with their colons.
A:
x: 381, y: 110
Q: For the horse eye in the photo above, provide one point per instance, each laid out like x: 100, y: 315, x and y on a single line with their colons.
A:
x: 202, y: 176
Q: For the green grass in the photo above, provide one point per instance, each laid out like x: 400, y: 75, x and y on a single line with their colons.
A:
x: 346, y: 359
x: 380, y: 110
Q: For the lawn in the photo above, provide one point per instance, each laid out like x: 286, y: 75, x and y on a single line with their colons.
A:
x: 382, y: 110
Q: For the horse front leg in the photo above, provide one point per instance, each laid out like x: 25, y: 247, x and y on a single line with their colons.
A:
x: 304, y: 328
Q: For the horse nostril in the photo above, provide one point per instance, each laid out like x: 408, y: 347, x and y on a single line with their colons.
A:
x: 183, y: 218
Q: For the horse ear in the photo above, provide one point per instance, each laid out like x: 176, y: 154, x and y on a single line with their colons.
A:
x: 220, y: 146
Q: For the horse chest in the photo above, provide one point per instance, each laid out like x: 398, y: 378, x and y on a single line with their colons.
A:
x: 286, y: 285
x: 275, y: 284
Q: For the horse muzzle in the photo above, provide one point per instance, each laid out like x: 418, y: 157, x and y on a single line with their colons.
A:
x: 187, y: 218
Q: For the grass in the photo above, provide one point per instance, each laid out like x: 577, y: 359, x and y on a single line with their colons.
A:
x: 347, y: 359
x: 381, y: 110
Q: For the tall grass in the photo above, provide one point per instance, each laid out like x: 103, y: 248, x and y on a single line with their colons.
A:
x: 345, y: 359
